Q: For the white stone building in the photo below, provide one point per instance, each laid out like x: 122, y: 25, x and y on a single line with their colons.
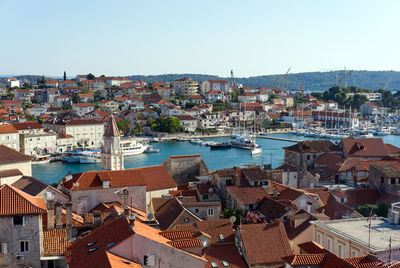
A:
x: 9, y: 136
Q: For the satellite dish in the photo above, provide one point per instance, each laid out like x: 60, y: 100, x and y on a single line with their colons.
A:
x: 210, y: 190
x: 317, y: 176
x: 232, y: 219
x: 150, y: 216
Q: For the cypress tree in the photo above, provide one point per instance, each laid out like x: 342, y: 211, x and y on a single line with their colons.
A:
x: 65, y: 76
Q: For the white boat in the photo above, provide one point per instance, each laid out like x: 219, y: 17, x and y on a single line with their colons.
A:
x: 90, y: 159
x: 150, y: 149
x: 154, y: 139
x: 41, y: 159
x: 196, y: 141
x: 383, y: 131
x: 256, y: 150
x: 243, y: 142
x: 74, y: 156
x: 132, y: 147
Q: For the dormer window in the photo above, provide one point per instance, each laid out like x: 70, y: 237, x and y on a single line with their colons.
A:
x: 106, y: 184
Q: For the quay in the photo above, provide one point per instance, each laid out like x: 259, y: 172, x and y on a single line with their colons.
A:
x: 263, y: 136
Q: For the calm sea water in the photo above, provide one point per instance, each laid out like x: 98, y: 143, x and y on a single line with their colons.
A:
x: 215, y: 159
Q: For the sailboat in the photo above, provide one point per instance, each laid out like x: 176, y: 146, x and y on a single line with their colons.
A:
x: 256, y: 150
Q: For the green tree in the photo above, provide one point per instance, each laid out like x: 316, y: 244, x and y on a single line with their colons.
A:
x: 123, y: 125
x: 75, y: 98
x: 167, y: 124
x: 227, y: 213
x: 358, y: 100
x: 90, y: 76
x: 27, y: 85
x: 138, y: 129
x: 234, y: 96
x: 272, y: 97
x: 381, y: 210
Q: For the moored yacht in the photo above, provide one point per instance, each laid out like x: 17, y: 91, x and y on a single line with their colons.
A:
x: 132, y: 147
x: 243, y: 142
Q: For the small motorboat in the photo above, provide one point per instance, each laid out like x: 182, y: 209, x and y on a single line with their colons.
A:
x: 256, y: 150
x: 41, y: 159
x: 220, y: 145
x: 150, y: 149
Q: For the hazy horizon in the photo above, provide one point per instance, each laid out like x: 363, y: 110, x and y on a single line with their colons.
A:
x: 209, y: 37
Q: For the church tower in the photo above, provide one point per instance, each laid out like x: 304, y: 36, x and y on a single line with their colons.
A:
x: 112, y: 157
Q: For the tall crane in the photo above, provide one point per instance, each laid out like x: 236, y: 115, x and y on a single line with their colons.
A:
x: 342, y: 78
x: 387, y: 83
x: 284, y: 81
x: 233, y: 79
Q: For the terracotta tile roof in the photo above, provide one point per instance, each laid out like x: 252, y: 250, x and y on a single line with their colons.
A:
x: 63, y: 135
x: 85, y: 95
x: 55, y: 242
x: 116, y: 209
x: 214, y: 228
x: 389, y: 170
x: 291, y: 231
x: 312, y: 146
x: 290, y: 194
x: 226, y: 253
x: 185, y: 117
x: 186, y: 243
x: 271, y: 209
x: 6, y: 129
x: 154, y: 177
x: 391, y: 149
x: 248, y: 195
x: 14, y: 201
x: 100, y: 239
x: 372, y: 147
x: 335, y: 209
x: 254, y: 174
x: 330, y: 161
x: 305, y: 259
x: 177, y: 234
x: 359, y: 197
x: 30, y: 185
x: 388, y: 198
x: 365, y: 261
x: 254, y: 238
x: 206, y: 189
x: 83, y: 105
x: 27, y: 125
x: 324, y: 196
x: 10, y: 172
x: 115, y: 261
x: 312, y: 248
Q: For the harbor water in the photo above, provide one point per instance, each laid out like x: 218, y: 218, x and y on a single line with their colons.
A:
x: 215, y: 159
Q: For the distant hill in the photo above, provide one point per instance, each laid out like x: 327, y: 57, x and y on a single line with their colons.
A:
x: 312, y: 81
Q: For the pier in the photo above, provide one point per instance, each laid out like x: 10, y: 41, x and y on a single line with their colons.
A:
x: 276, y: 138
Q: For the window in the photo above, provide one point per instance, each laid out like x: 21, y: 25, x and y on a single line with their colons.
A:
x: 210, y: 212
x: 186, y: 220
x: 308, y: 157
x: 196, y: 210
x: 382, y: 180
x: 319, y: 239
x: 23, y: 246
x: 329, y: 244
x: 341, y: 251
x: 251, y: 206
x: 393, y: 181
x: 3, y: 248
x: 19, y: 220
x: 205, y: 196
x: 228, y: 182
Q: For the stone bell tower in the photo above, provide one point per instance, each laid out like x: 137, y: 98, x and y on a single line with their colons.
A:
x: 112, y: 157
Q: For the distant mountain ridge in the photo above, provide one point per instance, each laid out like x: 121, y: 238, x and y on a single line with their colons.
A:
x: 313, y: 81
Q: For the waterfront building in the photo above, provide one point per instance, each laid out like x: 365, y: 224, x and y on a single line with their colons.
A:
x: 34, y: 140
x: 185, y: 86
x: 336, y: 119
x: 9, y: 136
x: 189, y: 123
x: 84, y: 132
x: 358, y: 237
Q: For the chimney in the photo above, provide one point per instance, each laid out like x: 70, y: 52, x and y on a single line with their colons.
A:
x: 277, y: 222
x: 50, y: 214
x: 59, y: 223
x: 275, y: 193
x: 69, y: 215
x: 96, y: 217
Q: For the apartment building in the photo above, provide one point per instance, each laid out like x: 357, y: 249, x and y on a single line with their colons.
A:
x: 185, y: 86
x: 9, y: 136
x: 219, y: 85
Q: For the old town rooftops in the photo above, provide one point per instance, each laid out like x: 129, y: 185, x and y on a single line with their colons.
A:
x: 313, y: 146
x: 14, y: 201
x: 8, y: 155
x: 154, y: 177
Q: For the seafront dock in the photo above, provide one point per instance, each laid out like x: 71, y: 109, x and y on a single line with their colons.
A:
x: 263, y: 136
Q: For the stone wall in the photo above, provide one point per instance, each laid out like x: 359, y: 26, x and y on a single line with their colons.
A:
x: 185, y: 168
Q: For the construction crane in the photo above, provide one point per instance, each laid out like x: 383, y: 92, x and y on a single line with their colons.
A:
x: 342, y: 78
x: 284, y: 81
x: 233, y: 79
x: 387, y: 83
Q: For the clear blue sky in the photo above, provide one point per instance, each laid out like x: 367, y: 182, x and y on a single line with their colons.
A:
x: 209, y: 37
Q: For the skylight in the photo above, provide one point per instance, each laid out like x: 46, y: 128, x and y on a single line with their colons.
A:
x: 214, y: 264
x: 221, y: 237
x: 225, y: 263
x: 91, y: 243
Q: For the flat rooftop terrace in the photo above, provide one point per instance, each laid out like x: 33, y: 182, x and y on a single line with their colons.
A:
x: 357, y: 230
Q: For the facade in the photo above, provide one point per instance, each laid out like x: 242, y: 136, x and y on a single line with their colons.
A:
x: 12, y: 106
x: 84, y: 132
x: 112, y: 157
x: 9, y: 136
x: 185, y: 86
x: 21, y: 235
x: 247, y: 98
x: 353, y: 237
x: 219, y: 85
x: 82, y: 108
x: 385, y: 177
x: 13, y: 164
x: 336, y: 119
x: 188, y: 122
